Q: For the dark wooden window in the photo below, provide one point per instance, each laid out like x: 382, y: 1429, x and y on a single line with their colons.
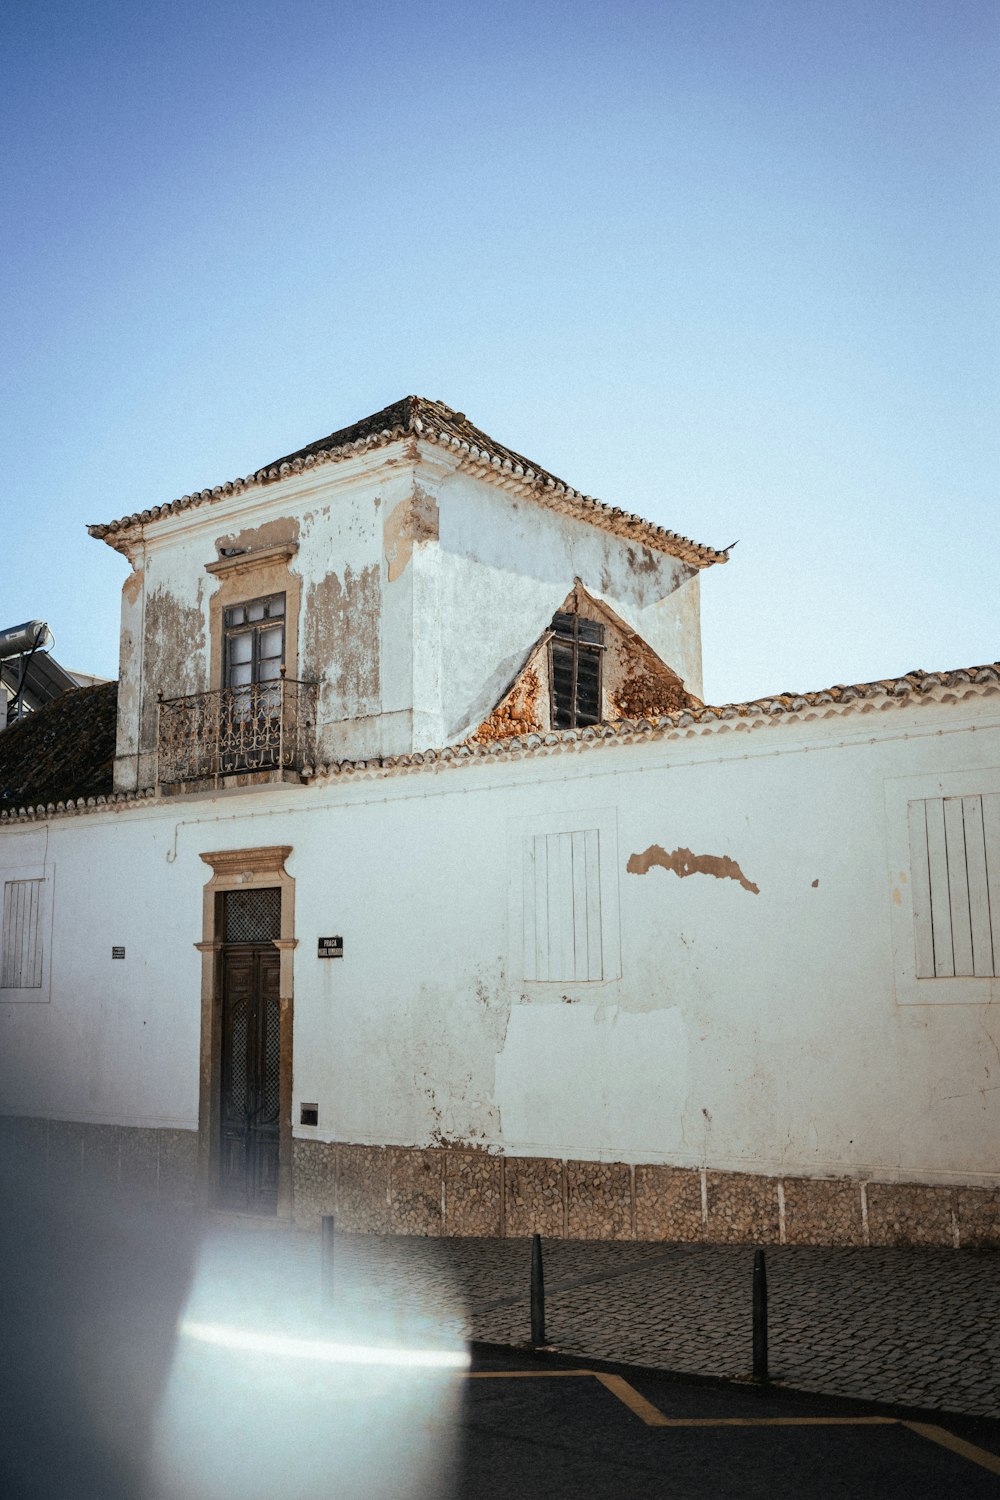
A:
x: 575, y: 652
x: 254, y: 642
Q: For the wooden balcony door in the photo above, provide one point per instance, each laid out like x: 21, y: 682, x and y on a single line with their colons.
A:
x: 251, y: 1059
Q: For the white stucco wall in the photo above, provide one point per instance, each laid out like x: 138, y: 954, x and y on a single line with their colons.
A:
x: 777, y: 1031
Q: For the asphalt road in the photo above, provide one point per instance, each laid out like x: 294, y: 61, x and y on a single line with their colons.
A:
x: 533, y: 1429
x: 138, y: 1365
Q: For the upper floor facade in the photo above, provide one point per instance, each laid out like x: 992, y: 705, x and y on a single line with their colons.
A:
x: 406, y: 582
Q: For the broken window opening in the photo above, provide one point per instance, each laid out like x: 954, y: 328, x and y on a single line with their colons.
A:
x: 575, y: 651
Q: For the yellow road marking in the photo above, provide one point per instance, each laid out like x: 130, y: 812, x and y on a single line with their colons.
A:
x: 636, y: 1403
x: 776, y: 1421
x: 653, y: 1417
x: 956, y: 1444
x: 519, y: 1374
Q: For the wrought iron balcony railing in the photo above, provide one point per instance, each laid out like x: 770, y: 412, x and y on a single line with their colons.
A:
x: 268, y: 726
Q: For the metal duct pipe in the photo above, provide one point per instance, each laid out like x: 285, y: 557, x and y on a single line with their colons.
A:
x: 31, y: 636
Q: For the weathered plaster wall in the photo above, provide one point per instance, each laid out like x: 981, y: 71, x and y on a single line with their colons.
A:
x: 635, y: 683
x: 352, y: 640
x: 421, y: 591
x: 165, y: 645
x: 130, y: 673
x: 340, y: 563
x: 506, y: 565
x: 761, y: 1019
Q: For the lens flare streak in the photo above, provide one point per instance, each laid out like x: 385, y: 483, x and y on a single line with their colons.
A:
x: 323, y: 1351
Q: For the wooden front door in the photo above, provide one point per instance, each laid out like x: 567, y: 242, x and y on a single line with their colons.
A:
x: 251, y: 1071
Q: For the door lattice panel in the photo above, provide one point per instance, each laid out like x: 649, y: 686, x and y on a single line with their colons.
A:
x: 238, y: 1058
x: 252, y: 916
x: 270, y: 1091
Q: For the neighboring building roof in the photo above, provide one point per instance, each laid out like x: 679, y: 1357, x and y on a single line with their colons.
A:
x: 417, y: 417
x: 863, y: 697
x: 44, y: 678
x: 65, y: 749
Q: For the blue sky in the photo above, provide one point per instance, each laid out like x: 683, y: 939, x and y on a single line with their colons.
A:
x: 733, y: 266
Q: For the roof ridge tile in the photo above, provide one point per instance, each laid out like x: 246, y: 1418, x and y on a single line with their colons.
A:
x: 453, y: 430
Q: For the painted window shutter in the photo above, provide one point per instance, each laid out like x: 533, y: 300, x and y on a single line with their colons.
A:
x: 21, y: 961
x: 955, y: 868
x: 562, y: 906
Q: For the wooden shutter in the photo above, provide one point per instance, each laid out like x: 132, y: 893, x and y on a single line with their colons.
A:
x: 562, y: 906
x: 955, y: 872
x: 21, y: 963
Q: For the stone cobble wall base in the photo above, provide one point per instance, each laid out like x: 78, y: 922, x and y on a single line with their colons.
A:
x: 73, y: 1158
x: 455, y: 1192
x: 450, y: 1191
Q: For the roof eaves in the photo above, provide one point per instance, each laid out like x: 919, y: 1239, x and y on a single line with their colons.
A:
x: 784, y: 707
x: 416, y: 416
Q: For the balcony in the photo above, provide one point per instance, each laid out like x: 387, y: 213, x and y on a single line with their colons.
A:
x: 237, y: 737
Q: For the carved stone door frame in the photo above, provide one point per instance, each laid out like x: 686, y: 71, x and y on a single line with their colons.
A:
x: 234, y: 870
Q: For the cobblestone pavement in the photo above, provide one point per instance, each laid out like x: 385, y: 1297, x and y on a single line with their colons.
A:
x: 918, y: 1327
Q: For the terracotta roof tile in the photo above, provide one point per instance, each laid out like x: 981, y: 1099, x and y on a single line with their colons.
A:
x: 949, y: 687
x: 406, y: 414
x: 418, y: 417
x: 64, y: 750
x: 704, y: 718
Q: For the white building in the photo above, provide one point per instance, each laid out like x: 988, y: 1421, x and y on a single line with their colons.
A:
x: 429, y: 893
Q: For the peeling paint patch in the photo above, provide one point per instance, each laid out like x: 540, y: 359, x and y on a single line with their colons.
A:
x: 641, y: 560
x: 174, y: 653
x: 413, y: 520
x: 132, y: 587
x: 815, y: 884
x: 684, y: 863
x: 341, y: 645
x: 253, y: 538
x: 518, y: 713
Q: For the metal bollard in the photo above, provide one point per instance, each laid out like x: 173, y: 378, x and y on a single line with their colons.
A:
x: 537, y: 1293
x: 760, y: 1318
x: 326, y: 1258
